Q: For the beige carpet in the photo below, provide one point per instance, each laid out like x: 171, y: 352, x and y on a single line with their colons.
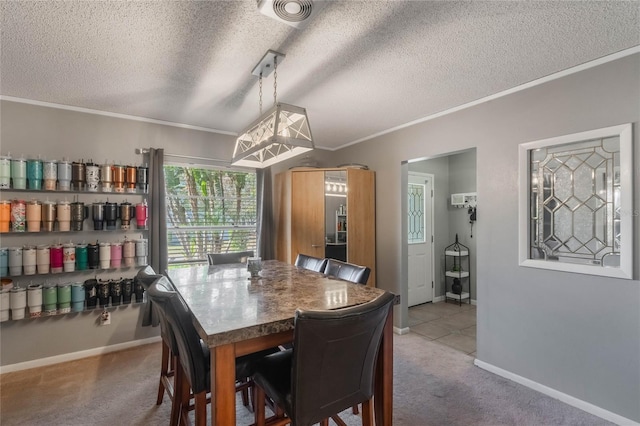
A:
x: 433, y: 385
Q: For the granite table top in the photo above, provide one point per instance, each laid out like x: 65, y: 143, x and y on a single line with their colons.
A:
x: 229, y: 307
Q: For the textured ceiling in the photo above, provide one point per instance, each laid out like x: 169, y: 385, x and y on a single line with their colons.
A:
x: 359, y: 67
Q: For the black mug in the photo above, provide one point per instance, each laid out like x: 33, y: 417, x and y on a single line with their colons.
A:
x: 104, y: 292
x: 127, y: 290
x: 116, y: 292
x: 142, y: 179
x: 97, y: 212
x: 138, y: 290
x: 91, y: 293
x: 93, y: 255
x: 111, y: 215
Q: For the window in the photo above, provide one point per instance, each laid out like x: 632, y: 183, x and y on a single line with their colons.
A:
x: 415, y: 213
x: 577, y: 215
x: 209, y: 210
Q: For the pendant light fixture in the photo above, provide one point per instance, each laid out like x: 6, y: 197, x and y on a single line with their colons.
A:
x: 282, y: 132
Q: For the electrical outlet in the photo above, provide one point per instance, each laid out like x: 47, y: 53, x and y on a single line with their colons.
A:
x: 105, y: 318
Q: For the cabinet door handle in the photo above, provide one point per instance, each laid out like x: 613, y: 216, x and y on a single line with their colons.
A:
x: 316, y: 245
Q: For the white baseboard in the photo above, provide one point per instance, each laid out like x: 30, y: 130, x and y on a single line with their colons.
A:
x: 76, y: 355
x: 401, y: 331
x: 441, y: 299
x: 553, y: 393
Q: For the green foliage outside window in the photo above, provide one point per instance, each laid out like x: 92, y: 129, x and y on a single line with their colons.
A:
x: 209, y: 211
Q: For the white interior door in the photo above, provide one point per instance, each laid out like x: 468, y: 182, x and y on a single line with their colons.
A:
x: 420, y: 238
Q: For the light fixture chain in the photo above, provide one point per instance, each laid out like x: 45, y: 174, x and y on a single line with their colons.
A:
x: 260, y: 93
x: 275, y: 80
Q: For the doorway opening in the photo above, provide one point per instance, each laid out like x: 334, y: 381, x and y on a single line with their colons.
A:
x: 424, y: 275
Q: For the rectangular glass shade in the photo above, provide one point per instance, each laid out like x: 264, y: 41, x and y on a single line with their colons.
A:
x: 281, y: 133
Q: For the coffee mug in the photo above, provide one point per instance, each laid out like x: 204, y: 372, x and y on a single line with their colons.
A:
x: 64, y: 175
x: 5, y: 171
x: 5, y: 215
x: 77, y: 297
x: 18, y: 302
x: 50, y: 299
x: 19, y: 173
x: 34, y: 300
x: 34, y: 173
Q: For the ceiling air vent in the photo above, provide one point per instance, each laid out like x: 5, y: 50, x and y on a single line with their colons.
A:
x: 291, y: 12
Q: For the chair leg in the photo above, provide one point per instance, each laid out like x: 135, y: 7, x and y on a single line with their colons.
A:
x: 184, y: 397
x: 201, y: 408
x: 176, y: 404
x: 336, y: 418
x: 324, y: 422
x: 354, y: 409
x: 259, y: 410
x: 367, y: 413
x: 245, y: 393
x: 164, y: 369
x: 258, y: 406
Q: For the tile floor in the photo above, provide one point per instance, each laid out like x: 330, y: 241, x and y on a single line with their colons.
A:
x: 446, y: 323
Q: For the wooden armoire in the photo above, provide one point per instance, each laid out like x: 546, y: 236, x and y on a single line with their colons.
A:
x: 326, y: 213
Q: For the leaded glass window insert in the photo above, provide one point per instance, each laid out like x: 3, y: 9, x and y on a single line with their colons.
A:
x: 574, y: 192
x: 578, y: 211
x: 416, y: 213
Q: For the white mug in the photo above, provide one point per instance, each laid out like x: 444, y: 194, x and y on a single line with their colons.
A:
x: 15, y: 261
x: 29, y: 260
x: 105, y: 255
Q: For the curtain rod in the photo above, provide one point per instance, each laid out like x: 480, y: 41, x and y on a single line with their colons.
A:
x: 188, y: 157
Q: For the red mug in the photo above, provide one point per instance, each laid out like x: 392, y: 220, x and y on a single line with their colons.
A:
x: 141, y: 215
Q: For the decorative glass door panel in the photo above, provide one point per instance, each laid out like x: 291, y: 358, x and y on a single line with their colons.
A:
x: 415, y: 212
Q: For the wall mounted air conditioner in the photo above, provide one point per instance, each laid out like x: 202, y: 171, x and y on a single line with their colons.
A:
x: 464, y: 200
x: 296, y: 13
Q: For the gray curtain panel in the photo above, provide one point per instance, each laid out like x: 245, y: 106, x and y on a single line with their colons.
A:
x: 157, y: 211
x: 266, y: 229
x: 157, y: 226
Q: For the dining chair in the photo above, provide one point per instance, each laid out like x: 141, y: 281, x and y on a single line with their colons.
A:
x: 192, y: 370
x: 347, y: 271
x: 146, y: 277
x: 330, y: 368
x: 232, y: 257
x: 311, y: 263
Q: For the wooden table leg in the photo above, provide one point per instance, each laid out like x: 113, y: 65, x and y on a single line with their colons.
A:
x: 383, y: 401
x: 223, y: 388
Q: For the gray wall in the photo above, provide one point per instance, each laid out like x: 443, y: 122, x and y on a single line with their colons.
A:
x: 54, y: 133
x: 578, y: 334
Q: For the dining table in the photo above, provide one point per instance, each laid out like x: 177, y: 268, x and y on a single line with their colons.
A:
x: 236, y: 315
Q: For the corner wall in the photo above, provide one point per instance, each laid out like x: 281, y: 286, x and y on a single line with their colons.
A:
x: 54, y: 133
x: 576, y: 334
